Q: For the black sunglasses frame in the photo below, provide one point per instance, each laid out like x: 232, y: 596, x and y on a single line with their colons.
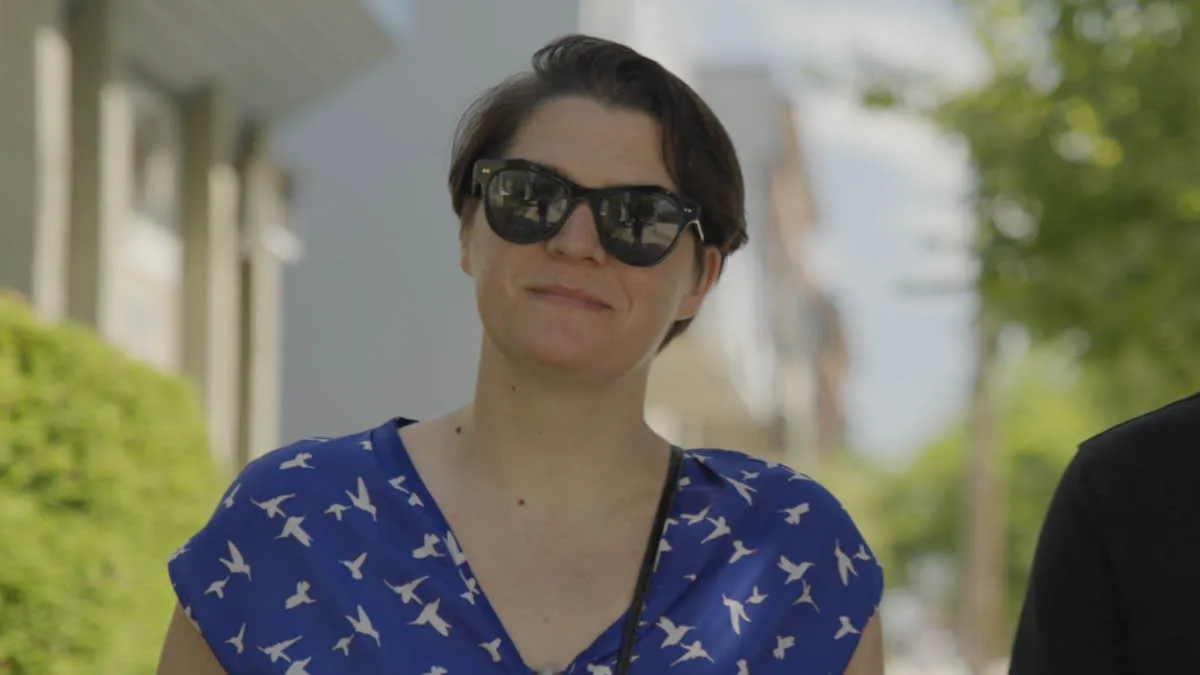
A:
x: 486, y: 169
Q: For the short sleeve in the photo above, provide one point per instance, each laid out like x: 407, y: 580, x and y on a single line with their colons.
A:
x: 843, y: 590
x: 227, y: 575
x: 1070, y: 621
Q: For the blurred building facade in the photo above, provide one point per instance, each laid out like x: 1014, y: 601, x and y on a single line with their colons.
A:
x: 379, y: 318
x: 761, y: 369
x: 815, y: 358
x: 137, y: 194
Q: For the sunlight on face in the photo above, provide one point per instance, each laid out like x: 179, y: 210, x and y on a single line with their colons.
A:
x: 595, y: 146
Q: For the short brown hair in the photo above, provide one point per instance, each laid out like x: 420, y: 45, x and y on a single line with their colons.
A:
x: 697, y: 150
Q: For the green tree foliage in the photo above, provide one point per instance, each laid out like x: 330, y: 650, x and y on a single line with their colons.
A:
x: 104, y: 470
x: 1085, y: 145
x: 916, y: 512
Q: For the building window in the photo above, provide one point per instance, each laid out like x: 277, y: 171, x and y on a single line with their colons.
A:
x: 151, y: 255
x: 156, y: 157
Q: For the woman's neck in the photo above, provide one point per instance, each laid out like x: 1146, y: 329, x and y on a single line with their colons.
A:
x: 526, y: 433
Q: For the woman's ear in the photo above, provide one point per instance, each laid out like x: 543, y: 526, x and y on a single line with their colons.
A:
x: 466, y: 227
x: 709, y: 270
x: 464, y: 248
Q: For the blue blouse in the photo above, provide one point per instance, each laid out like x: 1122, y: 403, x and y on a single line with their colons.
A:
x: 329, y: 557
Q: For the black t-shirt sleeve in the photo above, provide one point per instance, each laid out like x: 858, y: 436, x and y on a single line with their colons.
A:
x: 1071, y: 621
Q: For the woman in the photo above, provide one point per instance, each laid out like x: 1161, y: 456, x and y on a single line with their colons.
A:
x: 597, y: 197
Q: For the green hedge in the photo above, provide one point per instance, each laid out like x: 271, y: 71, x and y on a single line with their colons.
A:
x: 104, y: 470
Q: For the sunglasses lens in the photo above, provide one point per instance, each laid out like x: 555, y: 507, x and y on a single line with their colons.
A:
x: 524, y: 206
x: 639, y: 228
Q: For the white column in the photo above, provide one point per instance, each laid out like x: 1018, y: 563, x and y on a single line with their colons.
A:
x: 264, y: 227
x: 102, y: 142
x: 35, y: 124
x: 211, y: 262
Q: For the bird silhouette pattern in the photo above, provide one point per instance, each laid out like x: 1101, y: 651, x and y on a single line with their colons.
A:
x: 329, y: 557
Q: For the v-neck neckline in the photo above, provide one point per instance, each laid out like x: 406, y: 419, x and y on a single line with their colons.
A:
x: 606, y: 643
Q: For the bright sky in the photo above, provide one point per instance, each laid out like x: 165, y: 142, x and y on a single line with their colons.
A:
x: 882, y: 182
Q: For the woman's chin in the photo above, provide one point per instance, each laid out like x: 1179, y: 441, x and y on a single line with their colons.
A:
x: 562, y: 354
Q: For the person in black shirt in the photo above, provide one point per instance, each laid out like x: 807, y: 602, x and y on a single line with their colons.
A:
x: 1115, y: 586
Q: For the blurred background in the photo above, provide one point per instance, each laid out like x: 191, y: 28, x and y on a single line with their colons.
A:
x: 224, y: 226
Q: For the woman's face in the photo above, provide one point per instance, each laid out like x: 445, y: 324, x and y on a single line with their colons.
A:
x: 522, y: 290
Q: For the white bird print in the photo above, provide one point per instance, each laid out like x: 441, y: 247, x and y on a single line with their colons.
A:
x: 398, y: 483
x: 188, y: 612
x: 794, y: 513
x: 366, y: 445
x: 806, y: 597
x: 663, y: 547
x: 429, y: 550
x: 217, y: 588
x: 796, y: 475
x: 362, y: 500
x: 795, y: 572
x: 749, y: 475
x: 293, y: 529
x: 456, y: 553
x: 415, y: 500
x: 740, y: 551
x: 492, y: 648
x: 236, y: 563
x: 355, y: 566
x: 694, y: 651
x: 674, y: 633
x: 436, y: 670
x: 782, y: 644
x: 743, y: 667
x: 755, y: 598
x: 720, y: 529
x: 742, y: 489
x: 846, y: 629
x: 363, y: 625
x: 737, y: 613
x: 298, y: 667
x: 667, y: 523
x: 429, y: 617
x: 684, y: 482
x: 238, y: 641
x: 336, y: 510
x: 599, y: 669
x: 845, y: 564
x: 278, y: 650
x: 300, y: 597
x: 178, y: 552
x: 472, y: 585
x: 232, y: 493
x: 696, y: 518
x: 690, y: 577
x: 300, y: 461
x: 271, y: 506
x: 408, y: 592
x: 862, y: 553
x: 343, y: 645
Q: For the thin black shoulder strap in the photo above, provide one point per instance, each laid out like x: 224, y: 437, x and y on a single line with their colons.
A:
x: 634, y: 616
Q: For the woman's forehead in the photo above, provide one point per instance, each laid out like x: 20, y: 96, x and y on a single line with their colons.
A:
x: 593, y: 144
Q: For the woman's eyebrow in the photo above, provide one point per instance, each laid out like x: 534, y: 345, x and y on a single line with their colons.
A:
x: 554, y: 168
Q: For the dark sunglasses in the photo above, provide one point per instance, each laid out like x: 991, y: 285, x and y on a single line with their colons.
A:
x: 525, y: 203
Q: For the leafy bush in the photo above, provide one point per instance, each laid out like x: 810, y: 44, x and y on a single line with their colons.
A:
x: 104, y: 469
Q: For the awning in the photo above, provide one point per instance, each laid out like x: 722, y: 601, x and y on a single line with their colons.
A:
x: 275, y: 56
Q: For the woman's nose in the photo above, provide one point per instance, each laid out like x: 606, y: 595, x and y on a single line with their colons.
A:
x: 579, y: 237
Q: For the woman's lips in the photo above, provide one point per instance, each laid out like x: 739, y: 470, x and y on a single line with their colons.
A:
x: 570, y: 297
